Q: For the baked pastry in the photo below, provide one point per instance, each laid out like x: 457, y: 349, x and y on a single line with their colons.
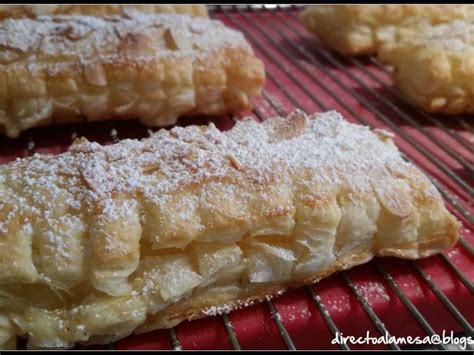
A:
x: 362, y: 29
x: 16, y: 11
x: 102, y: 241
x: 149, y: 67
x: 433, y: 66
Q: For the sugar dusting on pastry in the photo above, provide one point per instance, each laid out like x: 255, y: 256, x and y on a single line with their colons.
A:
x: 456, y: 36
x: 333, y: 150
x: 217, y: 310
x: 88, y: 38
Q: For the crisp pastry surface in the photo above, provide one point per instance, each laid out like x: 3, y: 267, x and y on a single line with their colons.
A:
x: 17, y: 11
x: 362, y: 29
x: 433, y: 66
x: 154, y: 68
x: 102, y: 241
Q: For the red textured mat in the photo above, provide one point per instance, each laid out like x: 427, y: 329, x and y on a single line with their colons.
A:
x: 303, y: 74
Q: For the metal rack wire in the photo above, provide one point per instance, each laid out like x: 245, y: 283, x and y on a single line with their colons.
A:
x: 269, y: 21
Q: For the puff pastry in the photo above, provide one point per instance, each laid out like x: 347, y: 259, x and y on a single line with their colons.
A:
x: 16, y: 11
x: 362, y: 29
x: 433, y: 67
x: 102, y: 241
x: 145, y: 66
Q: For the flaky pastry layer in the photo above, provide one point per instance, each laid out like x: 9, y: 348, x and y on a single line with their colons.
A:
x: 102, y: 241
x: 362, y: 29
x: 17, y: 11
x: 153, y: 68
x: 433, y: 66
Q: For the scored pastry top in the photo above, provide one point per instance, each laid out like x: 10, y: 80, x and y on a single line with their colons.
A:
x: 323, y: 149
x: 64, y: 38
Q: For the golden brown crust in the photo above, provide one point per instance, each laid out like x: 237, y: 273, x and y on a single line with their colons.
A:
x: 18, y: 11
x: 101, y: 241
x: 362, y: 29
x: 433, y: 66
x: 150, y: 67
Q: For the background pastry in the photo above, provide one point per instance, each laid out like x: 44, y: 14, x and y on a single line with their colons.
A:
x: 144, y: 66
x: 362, y: 29
x: 433, y: 66
x: 16, y: 11
x: 104, y: 240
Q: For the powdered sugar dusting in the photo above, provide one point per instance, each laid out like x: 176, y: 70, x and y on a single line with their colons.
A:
x: 373, y: 291
x: 217, y: 310
x: 297, y: 312
x: 146, y: 174
x: 453, y: 253
x: 456, y: 36
x: 52, y: 42
x: 339, y: 304
x: 224, y: 309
